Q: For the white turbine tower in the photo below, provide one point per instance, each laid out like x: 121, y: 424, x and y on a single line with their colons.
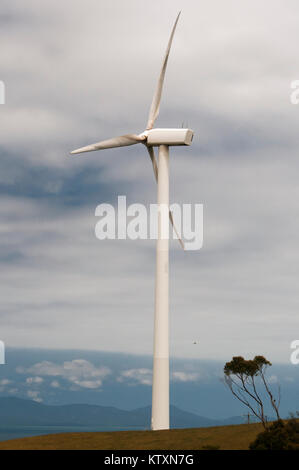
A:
x: 162, y: 138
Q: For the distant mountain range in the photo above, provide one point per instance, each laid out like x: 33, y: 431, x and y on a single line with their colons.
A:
x: 19, y: 412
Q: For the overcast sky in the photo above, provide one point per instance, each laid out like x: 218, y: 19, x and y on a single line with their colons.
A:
x: 79, y: 72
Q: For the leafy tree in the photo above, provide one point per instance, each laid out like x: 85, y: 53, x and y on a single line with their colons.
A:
x: 244, y: 377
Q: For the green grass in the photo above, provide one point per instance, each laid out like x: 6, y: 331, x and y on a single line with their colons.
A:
x: 225, y: 437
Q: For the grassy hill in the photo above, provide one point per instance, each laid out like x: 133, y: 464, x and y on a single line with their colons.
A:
x: 237, y: 437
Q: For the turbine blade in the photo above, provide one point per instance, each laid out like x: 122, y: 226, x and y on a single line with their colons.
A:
x: 155, y: 168
x: 154, y: 162
x: 174, y: 228
x: 155, y: 106
x: 121, y: 141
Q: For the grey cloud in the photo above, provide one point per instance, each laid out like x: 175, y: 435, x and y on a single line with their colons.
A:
x: 75, y: 73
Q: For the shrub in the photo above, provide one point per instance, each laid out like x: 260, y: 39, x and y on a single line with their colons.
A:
x: 279, y: 436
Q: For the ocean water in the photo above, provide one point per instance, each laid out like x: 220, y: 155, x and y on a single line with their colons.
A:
x: 16, y: 432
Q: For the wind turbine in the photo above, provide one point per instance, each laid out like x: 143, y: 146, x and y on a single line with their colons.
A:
x: 162, y: 138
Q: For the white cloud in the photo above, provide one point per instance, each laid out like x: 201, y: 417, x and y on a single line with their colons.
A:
x: 144, y: 376
x: 34, y: 380
x: 289, y: 379
x: 3, y: 385
x: 92, y: 384
x: 34, y: 395
x: 136, y: 376
x: 185, y: 376
x: 272, y: 379
x: 4, y: 382
x: 78, y: 372
x: 55, y: 384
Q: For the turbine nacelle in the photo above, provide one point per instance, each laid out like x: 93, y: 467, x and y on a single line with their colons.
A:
x: 170, y: 137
